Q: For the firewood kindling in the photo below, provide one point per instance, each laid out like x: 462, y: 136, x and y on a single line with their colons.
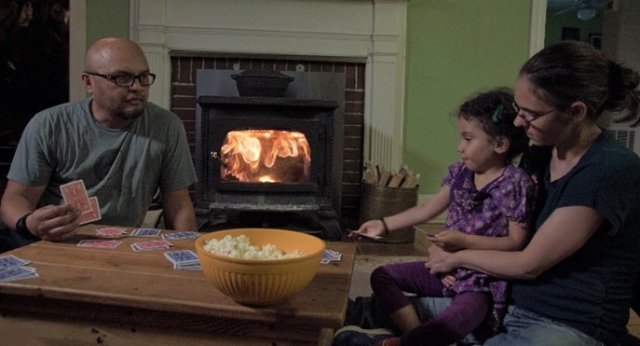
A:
x: 378, y: 175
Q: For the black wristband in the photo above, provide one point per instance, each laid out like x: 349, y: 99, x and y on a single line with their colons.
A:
x: 384, y: 224
x: 22, y: 229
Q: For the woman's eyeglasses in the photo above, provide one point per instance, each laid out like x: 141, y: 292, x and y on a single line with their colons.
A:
x: 528, y: 115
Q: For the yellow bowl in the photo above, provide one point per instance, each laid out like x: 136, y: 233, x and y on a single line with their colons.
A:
x: 262, y: 282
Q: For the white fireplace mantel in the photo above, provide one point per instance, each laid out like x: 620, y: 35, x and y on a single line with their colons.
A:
x: 373, y: 30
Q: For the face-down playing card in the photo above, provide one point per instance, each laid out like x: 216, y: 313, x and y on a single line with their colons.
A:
x: 75, y: 193
x: 93, y: 215
x: 183, y: 259
x: 99, y: 243
x: 150, y: 245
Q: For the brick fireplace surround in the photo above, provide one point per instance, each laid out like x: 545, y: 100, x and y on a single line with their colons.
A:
x: 184, y: 66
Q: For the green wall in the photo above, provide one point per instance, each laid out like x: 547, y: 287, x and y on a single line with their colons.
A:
x: 107, y: 18
x: 455, y: 48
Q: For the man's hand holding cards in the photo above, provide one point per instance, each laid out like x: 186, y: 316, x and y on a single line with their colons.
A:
x: 75, y: 193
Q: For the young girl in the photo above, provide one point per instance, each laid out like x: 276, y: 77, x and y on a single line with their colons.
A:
x: 488, y: 206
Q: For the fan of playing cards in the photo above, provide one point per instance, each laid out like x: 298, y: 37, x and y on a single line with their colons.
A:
x: 75, y: 193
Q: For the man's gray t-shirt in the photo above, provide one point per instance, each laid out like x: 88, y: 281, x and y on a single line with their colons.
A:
x: 123, y: 168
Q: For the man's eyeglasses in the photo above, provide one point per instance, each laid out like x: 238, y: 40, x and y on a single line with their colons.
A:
x: 528, y: 115
x: 127, y: 80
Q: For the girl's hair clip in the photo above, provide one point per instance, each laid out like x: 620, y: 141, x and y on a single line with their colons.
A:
x: 497, y: 114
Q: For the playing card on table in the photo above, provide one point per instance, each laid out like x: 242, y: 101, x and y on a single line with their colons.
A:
x: 99, y: 243
x: 11, y: 261
x: 150, y: 245
x: 111, y: 231
x: 183, y: 259
x: 17, y: 273
x: 329, y: 256
x: 75, y: 193
x: 145, y: 232
x: 180, y: 235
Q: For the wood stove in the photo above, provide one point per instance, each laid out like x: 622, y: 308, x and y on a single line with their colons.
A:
x: 267, y: 162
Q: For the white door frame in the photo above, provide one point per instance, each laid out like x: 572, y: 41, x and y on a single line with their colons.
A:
x: 538, y: 22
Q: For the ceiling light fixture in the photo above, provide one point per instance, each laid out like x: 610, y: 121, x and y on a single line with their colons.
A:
x: 586, y: 13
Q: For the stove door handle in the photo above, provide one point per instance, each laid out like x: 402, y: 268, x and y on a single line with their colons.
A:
x: 215, y: 156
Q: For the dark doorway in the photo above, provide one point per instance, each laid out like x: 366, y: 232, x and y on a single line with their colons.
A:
x: 34, y: 66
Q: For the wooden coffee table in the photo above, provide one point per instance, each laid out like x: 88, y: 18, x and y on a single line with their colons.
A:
x: 118, y: 296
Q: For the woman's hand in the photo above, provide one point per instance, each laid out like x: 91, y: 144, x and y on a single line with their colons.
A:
x: 450, y: 240
x: 440, y: 261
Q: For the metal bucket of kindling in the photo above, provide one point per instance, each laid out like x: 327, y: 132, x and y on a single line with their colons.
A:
x: 380, y: 201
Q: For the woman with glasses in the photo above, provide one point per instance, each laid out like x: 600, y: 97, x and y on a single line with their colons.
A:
x: 572, y: 284
x: 121, y: 146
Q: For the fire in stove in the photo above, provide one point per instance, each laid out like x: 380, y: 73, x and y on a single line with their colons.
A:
x: 265, y: 156
x: 272, y: 164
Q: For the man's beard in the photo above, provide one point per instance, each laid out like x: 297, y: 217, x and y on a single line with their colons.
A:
x: 129, y: 115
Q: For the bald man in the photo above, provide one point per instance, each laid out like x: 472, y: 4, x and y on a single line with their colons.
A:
x: 123, y: 148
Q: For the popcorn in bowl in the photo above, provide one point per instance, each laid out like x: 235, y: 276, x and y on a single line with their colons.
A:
x: 265, y: 281
x: 241, y: 247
